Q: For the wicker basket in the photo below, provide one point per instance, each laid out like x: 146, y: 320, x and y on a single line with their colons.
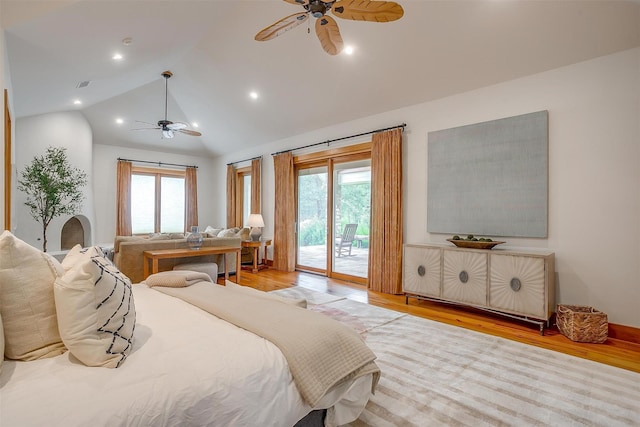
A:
x: 582, y: 324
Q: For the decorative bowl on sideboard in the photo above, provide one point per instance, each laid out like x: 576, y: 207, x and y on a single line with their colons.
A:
x: 474, y: 244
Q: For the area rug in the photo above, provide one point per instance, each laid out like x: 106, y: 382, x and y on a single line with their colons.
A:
x: 434, y: 374
x: 361, y: 317
x: 312, y: 297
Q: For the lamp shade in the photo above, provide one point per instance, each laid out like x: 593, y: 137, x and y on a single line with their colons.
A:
x: 255, y: 220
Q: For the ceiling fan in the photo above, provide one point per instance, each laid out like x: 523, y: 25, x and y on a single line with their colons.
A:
x: 326, y: 27
x: 168, y: 127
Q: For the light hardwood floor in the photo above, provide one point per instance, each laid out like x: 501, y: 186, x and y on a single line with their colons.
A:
x: 613, y: 352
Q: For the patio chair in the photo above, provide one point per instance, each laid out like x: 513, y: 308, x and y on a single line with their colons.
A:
x: 345, y: 242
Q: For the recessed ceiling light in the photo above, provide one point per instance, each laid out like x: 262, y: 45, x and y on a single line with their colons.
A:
x: 194, y: 124
x: 77, y: 102
x: 117, y: 57
x: 348, y: 50
x: 253, y: 95
x: 119, y: 121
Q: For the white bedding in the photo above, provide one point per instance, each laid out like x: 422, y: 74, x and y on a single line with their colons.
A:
x: 186, y: 367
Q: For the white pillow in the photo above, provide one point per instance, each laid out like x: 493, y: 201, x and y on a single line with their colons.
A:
x: 1, y: 344
x: 27, y: 305
x: 255, y: 292
x: 96, y: 312
x: 212, y: 232
x: 77, y: 254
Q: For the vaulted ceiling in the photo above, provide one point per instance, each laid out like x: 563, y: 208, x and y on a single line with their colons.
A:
x: 437, y: 49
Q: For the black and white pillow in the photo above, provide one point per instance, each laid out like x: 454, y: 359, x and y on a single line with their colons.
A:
x: 96, y: 312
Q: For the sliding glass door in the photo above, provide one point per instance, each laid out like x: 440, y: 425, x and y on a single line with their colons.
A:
x: 333, y: 216
x: 312, y: 218
x: 351, y: 215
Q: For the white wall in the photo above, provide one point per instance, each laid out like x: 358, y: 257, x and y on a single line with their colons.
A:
x: 594, y: 172
x: 32, y: 136
x: 104, y: 168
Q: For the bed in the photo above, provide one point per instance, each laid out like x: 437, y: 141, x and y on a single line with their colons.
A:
x: 185, y: 367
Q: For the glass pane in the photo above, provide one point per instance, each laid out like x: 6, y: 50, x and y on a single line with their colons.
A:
x: 246, y: 198
x: 312, y: 218
x: 172, y: 205
x: 352, y: 214
x: 143, y: 206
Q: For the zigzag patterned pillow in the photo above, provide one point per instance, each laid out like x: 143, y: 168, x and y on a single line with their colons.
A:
x: 96, y: 312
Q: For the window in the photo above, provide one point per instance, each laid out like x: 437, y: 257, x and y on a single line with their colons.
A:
x: 157, y: 201
x: 243, y: 198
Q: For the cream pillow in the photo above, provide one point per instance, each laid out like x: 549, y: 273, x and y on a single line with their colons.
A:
x: 212, y: 232
x: 26, y: 300
x: 1, y: 344
x: 251, y: 291
x: 244, y: 233
x: 96, y: 312
x: 77, y: 254
x: 228, y: 232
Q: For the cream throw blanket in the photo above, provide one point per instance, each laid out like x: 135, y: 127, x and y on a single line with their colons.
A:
x: 321, y: 352
x: 177, y: 278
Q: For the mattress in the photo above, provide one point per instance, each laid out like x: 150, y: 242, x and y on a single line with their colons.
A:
x: 186, y: 367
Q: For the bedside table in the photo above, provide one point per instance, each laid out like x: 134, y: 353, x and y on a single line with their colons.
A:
x: 257, y: 266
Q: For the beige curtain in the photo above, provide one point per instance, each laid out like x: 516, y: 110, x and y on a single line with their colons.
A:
x: 385, y: 250
x: 256, y: 175
x: 284, y: 243
x: 191, y: 198
x: 231, y: 196
x: 123, y: 198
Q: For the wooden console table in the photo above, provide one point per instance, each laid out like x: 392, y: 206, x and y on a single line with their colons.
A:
x: 154, y: 256
x: 257, y: 266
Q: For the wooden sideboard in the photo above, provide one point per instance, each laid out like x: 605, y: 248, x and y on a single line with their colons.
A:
x: 519, y: 284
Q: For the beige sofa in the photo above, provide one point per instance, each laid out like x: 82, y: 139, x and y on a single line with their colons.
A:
x: 129, y: 259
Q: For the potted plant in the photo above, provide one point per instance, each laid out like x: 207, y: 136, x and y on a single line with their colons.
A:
x: 53, y: 188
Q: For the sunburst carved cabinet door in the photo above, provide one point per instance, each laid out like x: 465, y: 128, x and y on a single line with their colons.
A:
x: 422, y: 271
x: 517, y: 285
x: 464, y: 276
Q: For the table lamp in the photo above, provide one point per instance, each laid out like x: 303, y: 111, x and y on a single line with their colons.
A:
x: 256, y: 223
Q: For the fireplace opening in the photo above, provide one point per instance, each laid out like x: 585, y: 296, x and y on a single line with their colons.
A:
x: 75, y: 232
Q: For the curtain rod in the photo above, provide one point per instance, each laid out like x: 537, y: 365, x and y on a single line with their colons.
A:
x: 403, y: 125
x: 245, y: 160
x: 157, y: 163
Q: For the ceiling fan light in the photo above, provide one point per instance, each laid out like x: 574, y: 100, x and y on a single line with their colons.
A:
x: 167, y: 134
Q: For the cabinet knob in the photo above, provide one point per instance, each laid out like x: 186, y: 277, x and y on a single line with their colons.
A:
x: 515, y: 284
x: 463, y: 276
x: 421, y: 270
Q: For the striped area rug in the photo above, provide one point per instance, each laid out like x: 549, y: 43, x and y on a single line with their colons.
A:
x: 434, y: 374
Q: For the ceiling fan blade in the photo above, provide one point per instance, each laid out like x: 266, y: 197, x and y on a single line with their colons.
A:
x: 147, y: 123
x: 189, y: 132
x: 368, y: 10
x: 156, y: 128
x: 282, y: 26
x: 176, y: 125
x: 329, y: 35
x: 298, y: 2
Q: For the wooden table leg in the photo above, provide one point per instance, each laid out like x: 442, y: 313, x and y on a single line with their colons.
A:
x: 154, y: 266
x: 238, y: 264
x: 256, y: 251
x: 145, y: 267
x: 226, y: 267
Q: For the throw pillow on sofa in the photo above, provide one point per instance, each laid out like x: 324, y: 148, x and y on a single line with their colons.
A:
x: 229, y: 232
x: 212, y: 232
